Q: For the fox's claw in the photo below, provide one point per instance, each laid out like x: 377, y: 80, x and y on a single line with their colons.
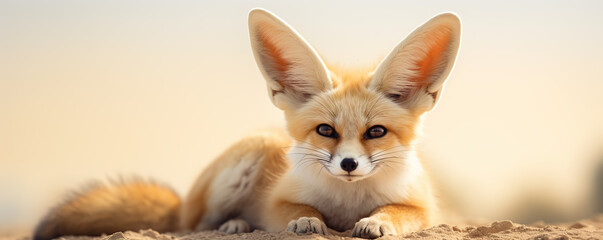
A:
x: 233, y: 226
x: 372, y: 228
x: 307, y: 225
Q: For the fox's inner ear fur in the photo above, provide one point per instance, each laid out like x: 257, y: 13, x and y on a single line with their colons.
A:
x: 293, y: 70
x: 414, y: 72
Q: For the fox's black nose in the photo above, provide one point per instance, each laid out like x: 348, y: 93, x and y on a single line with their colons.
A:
x: 349, y: 164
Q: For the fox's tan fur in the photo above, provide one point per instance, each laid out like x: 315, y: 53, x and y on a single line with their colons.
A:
x: 110, y: 208
x: 297, y: 181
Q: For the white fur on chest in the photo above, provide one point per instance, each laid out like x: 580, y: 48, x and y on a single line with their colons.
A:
x: 342, y: 204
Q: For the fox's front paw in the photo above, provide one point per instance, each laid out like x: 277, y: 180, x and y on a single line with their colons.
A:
x: 233, y: 226
x: 372, y: 228
x: 307, y: 225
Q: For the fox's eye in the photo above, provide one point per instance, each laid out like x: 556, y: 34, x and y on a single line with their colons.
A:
x: 376, y: 131
x: 326, y: 131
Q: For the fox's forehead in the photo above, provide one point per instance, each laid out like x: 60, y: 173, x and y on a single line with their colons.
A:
x: 344, y: 78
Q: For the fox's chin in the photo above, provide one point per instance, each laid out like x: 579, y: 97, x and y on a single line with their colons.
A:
x: 349, y: 178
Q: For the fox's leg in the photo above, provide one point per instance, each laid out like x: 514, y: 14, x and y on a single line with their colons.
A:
x: 284, y: 212
x: 235, y: 226
x: 300, y: 218
x: 227, y: 194
x: 393, y: 219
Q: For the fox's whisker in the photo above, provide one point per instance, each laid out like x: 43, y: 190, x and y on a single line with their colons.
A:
x: 385, y: 157
x: 320, y: 170
x: 306, y: 159
x: 317, y: 147
x: 388, y: 161
x: 320, y: 151
x: 392, y: 154
x: 387, y: 149
x: 309, y: 154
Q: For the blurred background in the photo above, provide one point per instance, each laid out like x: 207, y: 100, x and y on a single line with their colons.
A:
x: 102, y: 89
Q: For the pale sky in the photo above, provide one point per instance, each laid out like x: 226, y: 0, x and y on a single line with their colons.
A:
x: 91, y: 90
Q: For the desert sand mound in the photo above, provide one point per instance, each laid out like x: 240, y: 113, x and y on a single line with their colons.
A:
x: 585, y: 229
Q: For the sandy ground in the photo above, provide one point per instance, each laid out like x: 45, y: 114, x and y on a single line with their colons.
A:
x: 584, y: 229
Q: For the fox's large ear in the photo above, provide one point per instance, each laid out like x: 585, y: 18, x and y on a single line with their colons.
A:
x: 293, y: 70
x: 414, y: 72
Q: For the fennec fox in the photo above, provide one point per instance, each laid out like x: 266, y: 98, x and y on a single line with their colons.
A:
x: 346, y: 162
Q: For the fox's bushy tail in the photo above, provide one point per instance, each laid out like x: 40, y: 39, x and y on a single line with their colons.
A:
x: 114, y: 207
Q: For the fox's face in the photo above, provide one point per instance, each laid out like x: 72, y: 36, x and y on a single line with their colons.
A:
x: 353, y: 125
x: 351, y: 131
